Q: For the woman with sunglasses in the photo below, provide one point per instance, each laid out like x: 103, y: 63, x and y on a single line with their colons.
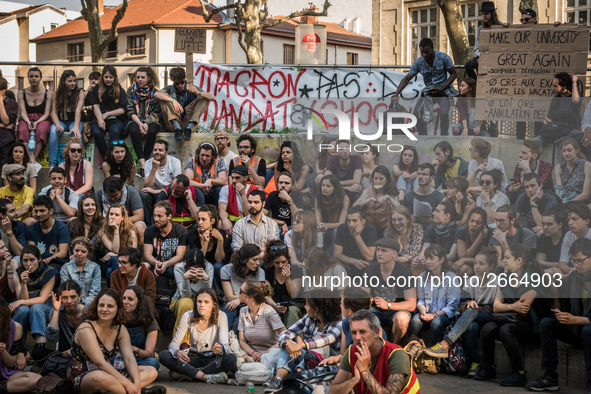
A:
x: 285, y: 280
x: 409, y: 235
x: 303, y: 235
x: 109, y: 101
x: 491, y: 197
x: 144, y: 111
x: 79, y: 171
x: 66, y: 113
x: 332, y: 205
x: 406, y: 171
x: 378, y: 199
x: 119, y: 162
x: 18, y: 154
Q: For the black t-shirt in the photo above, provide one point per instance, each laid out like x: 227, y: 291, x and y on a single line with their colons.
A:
x: 108, y: 101
x: 350, y: 248
x: 447, y: 241
x: 461, y: 234
x: 278, y: 209
x: 261, y: 169
x: 280, y: 293
x: 393, y: 291
x: 547, y: 247
x: 194, y: 242
x: 165, y: 247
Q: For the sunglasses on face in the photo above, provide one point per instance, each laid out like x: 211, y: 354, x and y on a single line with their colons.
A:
x: 524, y: 20
x: 75, y: 150
x: 278, y: 248
x: 487, y: 183
x: 120, y: 142
x: 242, y: 292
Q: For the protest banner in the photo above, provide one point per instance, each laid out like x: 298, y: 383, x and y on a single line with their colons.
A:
x: 518, y: 64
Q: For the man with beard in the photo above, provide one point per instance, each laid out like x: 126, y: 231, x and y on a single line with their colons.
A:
x: 115, y: 190
x: 207, y: 172
x: 68, y: 314
x: 424, y: 193
x: 50, y: 236
x: 281, y: 203
x: 222, y: 141
x: 507, y: 234
x: 448, y: 165
x: 16, y: 191
x: 160, y: 170
x: 529, y: 162
x: 256, y: 166
x: 355, y: 242
x: 185, y: 199
x: 256, y: 228
x: 16, y: 231
x: 534, y: 201
x: 233, y: 198
x: 165, y: 242
x: 65, y: 200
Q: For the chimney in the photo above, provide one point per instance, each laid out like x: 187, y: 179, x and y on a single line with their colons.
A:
x: 101, y: 7
x: 310, y: 20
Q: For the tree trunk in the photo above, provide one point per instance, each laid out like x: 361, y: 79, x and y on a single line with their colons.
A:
x: 252, y: 36
x: 456, y: 30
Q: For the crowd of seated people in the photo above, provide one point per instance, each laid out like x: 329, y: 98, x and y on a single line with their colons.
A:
x: 228, y: 247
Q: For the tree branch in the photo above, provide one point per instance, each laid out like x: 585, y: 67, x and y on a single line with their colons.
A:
x: 207, y: 14
x: 113, y: 31
x: 239, y: 16
x: 264, y: 13
x: 84, y: 10
x: 297, y: 14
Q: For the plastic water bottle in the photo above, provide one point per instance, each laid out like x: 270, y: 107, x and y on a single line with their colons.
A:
x: 118, y: 363
x: 249, y: 387
x: 32, y: 140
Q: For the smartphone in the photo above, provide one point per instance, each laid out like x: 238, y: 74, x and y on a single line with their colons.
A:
x: 514, y: 180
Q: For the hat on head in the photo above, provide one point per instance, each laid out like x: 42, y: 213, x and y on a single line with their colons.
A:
x: 488, y: 6
x: 240, y: 170
x: 389, y: 243
x: 223, y: 133
x: 529, y: 12
x: 10, y: 169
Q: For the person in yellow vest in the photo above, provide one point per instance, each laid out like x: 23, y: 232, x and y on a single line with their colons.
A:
x: 233, y: 199
x: 256, y: 166
x: 372, y: 364
x: 207, y: 172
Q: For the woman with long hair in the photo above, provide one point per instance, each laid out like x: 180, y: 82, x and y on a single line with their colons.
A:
x: 139, y: 316
x: 34, y: 104
x: 323, y: 157
x: 457, y: 192
x: 378, y: 199
x: 370, y: 160
x: 406, y: 171
x: 95, y: 368
x: 332, y: 205
x: 285, y: 280
x: 259, y: 326
x: 303, y: 235
x: 83, y: 271
x: 33, y: 307
x: 208, y: 358
x: 572, y: 176
x: 117, y: 233
x: 79, y: 171
x: 88, y: 220
x: 470, y: 241
x: 119, y: 162
x: 109, y: 101
x: 66, y: 113
x: 466, y: 105
x: 143, y: 110
x: 524, y: 306
x: 290, y: 160
x: 408, y: 234
x: 15, y: 356
x: 491, y: 197
x: 18, y: 154
x: 317, y: 266
x: 9, y: 283
x: 438, y: 300
x: 244, y: 264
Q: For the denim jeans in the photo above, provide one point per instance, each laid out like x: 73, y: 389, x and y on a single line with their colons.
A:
x: 287, y: 362
x: 36, y: 316
x: 54, y: 136
x: 207, y: 365
x: 137, y: 337
x: 107, y: 268
x: 233, y: 318
x: 469, y: 325
x: 217, y: 278
x: 437, y: 326
x: 116, y: 129
x: 552, y: 331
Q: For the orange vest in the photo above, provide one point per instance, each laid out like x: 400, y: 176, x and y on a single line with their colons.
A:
x: 255, y: 164
x: 213, y: 171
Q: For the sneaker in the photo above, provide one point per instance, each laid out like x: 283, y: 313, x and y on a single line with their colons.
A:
x: 485, y: 374
x: 178, y: 134
x: 473, y: 370
x: 187, y: 134
x: 438, y: 351
x: 546, y: 382
x: 273, y: 385
x: 38, y: 166
x: 177, y: 376
x: 516, y: 379
x: 140, y: 173
x: 217, y: 378
x: 154, y: 390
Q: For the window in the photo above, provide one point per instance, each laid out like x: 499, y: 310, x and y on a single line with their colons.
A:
x: 136, y: 45
x: 423, y: 24
x: 48, y: 85
x: 112, y: 49
x: 76, y: 52
x: 577, y: 11
x: 352, y: 58
x: 472, y: 20
x: 53, y: 26
x: 288, y: 54
x: 80, y: 83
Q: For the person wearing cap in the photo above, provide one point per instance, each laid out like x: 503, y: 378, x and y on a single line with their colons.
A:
x: 182, y: 104
x: 16, y: 191
x: 207, y: 172
x: 257, y: 167
x: 233, y: 198
x: 392, y: 304
x: 222, y: 141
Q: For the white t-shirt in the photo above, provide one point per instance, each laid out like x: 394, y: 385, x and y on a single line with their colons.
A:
x: 166, y: 174
x: 228, y: 158
x: 224, y: 197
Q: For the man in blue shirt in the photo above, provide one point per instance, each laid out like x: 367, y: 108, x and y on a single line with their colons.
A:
x: 439, y: 74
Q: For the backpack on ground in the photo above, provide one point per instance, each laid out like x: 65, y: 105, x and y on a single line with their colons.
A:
x: 457, y: 362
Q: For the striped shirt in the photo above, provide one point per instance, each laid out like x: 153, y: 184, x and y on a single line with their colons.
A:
x: 261, y: 335
x: 248, y: 232
x: 309, y: 327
